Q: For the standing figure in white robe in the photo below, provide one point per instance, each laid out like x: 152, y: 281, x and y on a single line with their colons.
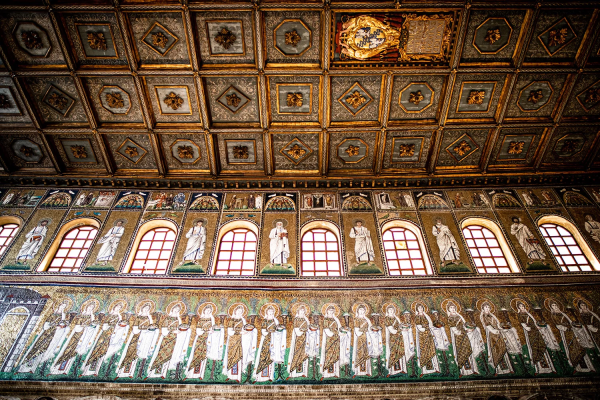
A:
x: 335, y: 345
x: 538, y: 340
x: 279, y: 245
x: 575, y: 339
x: 467, y: 342
x: 449, y: 251
x: 592, y: 227
x: 109, y: 340
x: 173, y: 343
x: 196, y: 236
x: 33, y: 242
x: 271, y: 351
x: 141, y: 342
x: 48, y: 342
x: 80, y: 340
x: 304, y: 346
x: 528, y: 242
x: 385, y: 202
x: 591, y: 321
x: 368, y: 344
x: 497, y: 341
x: 399, y: 343
x: 207, y: 345
x: 363, y: 246
x: 110, y: 242
x: 258, y: 202
x: 241, y: 344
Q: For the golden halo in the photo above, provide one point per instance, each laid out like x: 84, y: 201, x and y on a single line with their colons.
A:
x: 203, y: 306
x: 265, y: 307
x: 234, y: 306
x: 283, y: 221
x: 356, y: 306
x: 326, y: 306
x: 181, y: 304
x: 385, y: 307
x: 481, y: 302
x: 548, y: 304
x: 514, y: 304
x: 48, y: 221
x: 297, y: 306
x: 416, y: 303
x: 139, y: 306
x: 123, y: 221
x: 579, y: 300
x: 87, y: 303
x: 65, y: 300
x: 203, y: 220
x: 122, y: 302
x: 450, y: 301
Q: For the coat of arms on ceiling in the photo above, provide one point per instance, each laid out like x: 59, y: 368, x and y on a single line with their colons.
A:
x: 392, y: 38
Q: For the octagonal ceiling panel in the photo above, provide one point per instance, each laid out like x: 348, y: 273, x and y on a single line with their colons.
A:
x: 286, y: 49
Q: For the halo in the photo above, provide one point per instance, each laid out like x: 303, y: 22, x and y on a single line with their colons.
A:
x: 179, y: 303
x: 48, y: 221
x: 203, y: 220
x: 115, y: 303
x: 236, y: 305
x: 65, y: 300
x: 448, y: 302
x: 139, y: 306
x: 203, y: 306
x: 282, y: 220
x: 265, y: 307
x: 514, y: 304
x: 481, y: 302
x: 89, y: 302
x: 356, y: 306
x: 385, y: 307
x: 354, y: 221
x: 326, y: 306
x: 579, y: 300
x: 548, y: 304
x: 123, y: 221
x: 414, y: 305
x: 294, y: 309
x: 514, y: 216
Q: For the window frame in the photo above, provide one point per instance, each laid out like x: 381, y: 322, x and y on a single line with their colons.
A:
x: 328, y: 226
x: 70, y: 248
x: 224, y: 230
x: 429, y: 270
x: 8, y: 220
x: 142, y: 230
x: 507, y: 252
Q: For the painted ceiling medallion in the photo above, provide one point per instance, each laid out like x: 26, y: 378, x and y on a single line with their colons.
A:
x: 406, y: 149
x: 185, y: 151
x: 79, y: 150
x: 226, y: 37
x: 8, y: 104
x: 462, y: 147
x: 132, y: 151
x: 292, y: 38
x: 366, y: 37
x: 355, y: 99
x: 416, y: 97
x: 515, y: 147
x: 173, y: 100
x: 535, y: 96
x: 590, y: 97
x: 294, y: 98
x: 97, y: 40
x: 241, y: 151
x: 557, y: 37
x: 233, y: 99
x: 32, y: 39
x: 159, y: 39
x: 352, y: 150
x: 115, y: 100
x: 58, y: 100
x: 475, y: 97
x: 492, y: 36
x: 296, y: 151
x: 569, y: 145
x: 27, y: 150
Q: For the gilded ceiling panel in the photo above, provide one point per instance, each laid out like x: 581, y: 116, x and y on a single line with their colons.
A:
x: 173, y: 99
x: 78, y: 151
x: 535, y: 95
x: 238, y: 151
x: 476, y: 96
x: 233, y: 99
x: 352, y: 150
x: 295, y: 99
x: 114, y: 99
x: 12, y: 108
x: 516, y: 146
x: 462, y: 148
x: 569, y: 146
x: 406, y: 149
x: 57, y: 99
x: 356, y: 98
x: 285, y: 47
x: 185, y: 152
x: 407, y: 104
x: 25, y: 150
x: 296, y: 151
x: 585, y: 97
x: 131, y: 151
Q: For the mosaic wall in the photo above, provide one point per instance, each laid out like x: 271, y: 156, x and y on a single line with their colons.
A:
x: 359, y: 219
x: 212, y: 336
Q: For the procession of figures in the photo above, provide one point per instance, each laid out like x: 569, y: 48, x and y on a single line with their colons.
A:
x: 260, y: 341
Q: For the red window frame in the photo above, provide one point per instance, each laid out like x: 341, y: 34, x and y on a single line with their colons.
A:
x: 320, y: 253
x: 7, y: 234
x: 565, y: 248
x: 154, y: 252
x: 485, y: 250
x: 73, y: 249
x: 237, y: 253
x: 403, y: 252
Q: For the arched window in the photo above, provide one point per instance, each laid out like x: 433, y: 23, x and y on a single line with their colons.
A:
x: 403, y: 246
x: 154, y: 252
x: 7, y: 233
x: 569, y: 248
x: 320, y: 250
x: 488, y: 248
x: 237, y: 249
x: 72, y: 249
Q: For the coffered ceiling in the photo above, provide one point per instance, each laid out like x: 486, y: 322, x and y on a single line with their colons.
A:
x: 298, y: 90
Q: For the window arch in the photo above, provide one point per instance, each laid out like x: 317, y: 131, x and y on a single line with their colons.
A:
x: 403, y: 245
x: 488, y: 247
x: 237, y: 245
x: 9, y: 226
x: 71, y: 246
x: 152, y: 248
x: 320, y: 250
x: 568, y: 246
